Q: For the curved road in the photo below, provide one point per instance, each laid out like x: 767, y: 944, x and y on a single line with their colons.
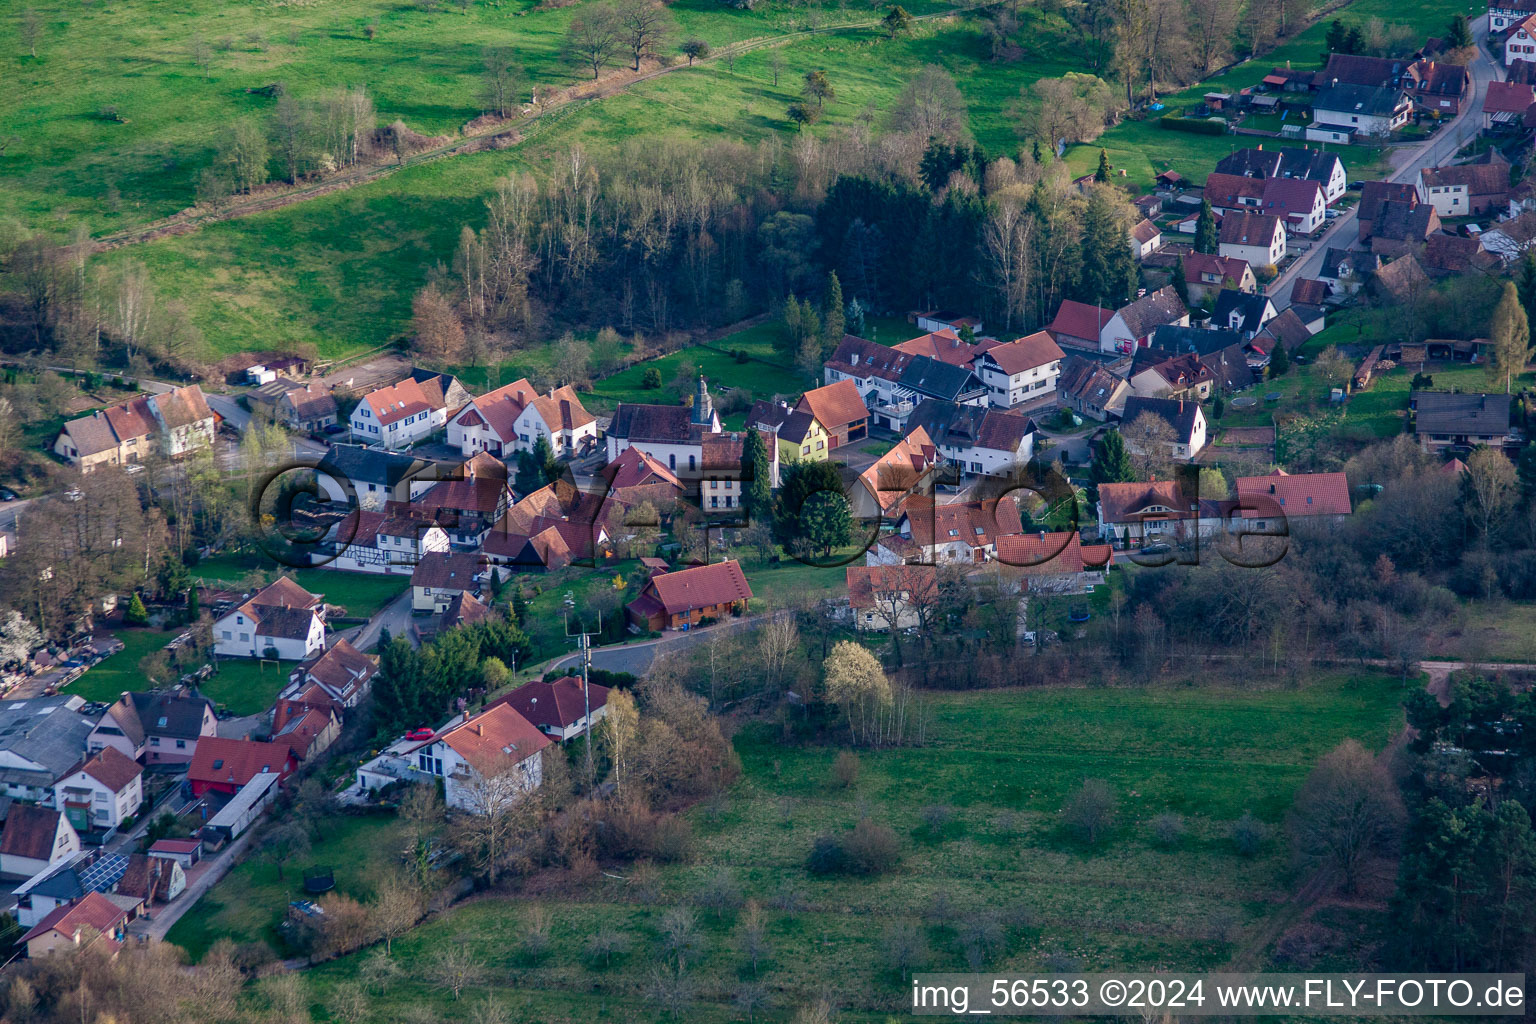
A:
x: 1405, y: 162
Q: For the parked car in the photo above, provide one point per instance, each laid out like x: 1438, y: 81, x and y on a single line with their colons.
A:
x: 6, y: 494
x: 420, y: 734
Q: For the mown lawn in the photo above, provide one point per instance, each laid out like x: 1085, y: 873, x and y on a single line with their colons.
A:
x: 1002, y: 762
x: 111, y: 678
x: 361, y: 594
x: 245, y: 685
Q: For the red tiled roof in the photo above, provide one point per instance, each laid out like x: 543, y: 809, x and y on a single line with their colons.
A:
x: 1145, y: 232
x: 946, y: 347
x: 1125, y: 502
x: 1309, y: 291
x: 1230, y: 268
x: 1026, y: 353
x: 1048, y: 554
x: 1240, y: 228
x: 1508, y: 97
x: 1080, y: 320
x: 447, y: 570
x: 30, y: 832
x: 93, y: 910
x: 221, y: 761
x: 1226, y: 190
x: 112, y: 768
x: 497, y: 733
x: 634, y: 468
x: 1304, y: 494
x: 702, y: 586
x: 398, y: 401
x: 558, y: 704
x: 976, y: 523
x: 899, y: 470
x: 175, y: 846
x: 835, y: 405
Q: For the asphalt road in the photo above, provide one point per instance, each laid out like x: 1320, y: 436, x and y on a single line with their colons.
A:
x: 1406, y: 161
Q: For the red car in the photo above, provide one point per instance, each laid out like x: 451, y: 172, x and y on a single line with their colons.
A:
x: 420, y: 734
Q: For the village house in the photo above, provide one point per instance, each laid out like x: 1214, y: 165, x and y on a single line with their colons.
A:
x: 722, y: 481
x: 370, y: 478
x: 1206, y: 275
x: 635, y: 477
x: 282, y: 621
x: 947, y: 347
x: 296, y: 406
x: 369, y: 541
x: 1053, y: 562
x: 152, y: 879
x: 1520, y: 44
x: 1374, y: 196
x: 687, y: 597
x: 485, y: 761
x: 1299, y: 202
x: 1258, y: 239
x: 172, y: 424
x: 1504, y: 13
x: 94, y: 921
x: 102, y: 793
x: 1242, y: 312
x: 1346, y: 271
x: 1436, y: 88
x: 1088, y: 387
x: 1133, y: 515
x: 1399, y: 281
x: 1507, y: 107
x: 956, y: 533
x: 1146, y: 238
x: 465, y: 502
x: 558, y: 524
x: 1443, y: 419
x: 1222, y: 352
x: 1022, y: 372
x: 887, y: 597
x: 1156, y: 374
x: 225, y: 765
x: 161, y: 727
x: 801, y: 437
x: 559, y: 708
x: 1079, y: 325
x: 438, y: 578
x: 1305, y: 163
x: 1310, y: 291
x: 840, y: 409
x: 40, y: 739
x: 1463, y: 190
x: 1401, y: 227
x: 1343, y: 110
x: 977, y: 441
x: 35, y: 839
x: 1185, y: 418
x: 1266, y: 499
x: 671, y: 434
x: 403, y: 413
x: 342, y: 671
x: 1132, y: 325
x: 900, y: 473
x: 308, y: 727
x: 513, y: 418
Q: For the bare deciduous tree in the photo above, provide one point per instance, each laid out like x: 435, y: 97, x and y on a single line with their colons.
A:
x: 500, y: 81
x: 594, y: 37
x: 1347, y: 811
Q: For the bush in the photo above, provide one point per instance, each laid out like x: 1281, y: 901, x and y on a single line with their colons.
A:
x: 1090, y: 812
x: 936, y: 818
x: 871, y: 848
x: 651, y: 378
x: 827, y: 856
x: 845, y: 770
x: 1197, y: 125
x: 1248, y: 834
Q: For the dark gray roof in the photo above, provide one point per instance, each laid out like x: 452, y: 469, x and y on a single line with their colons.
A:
x: 1153, y: 309
x: 1444, y: 412
x: 1360, y: 264
x: 1179, y: 415
x: 653, y: 423
x: 935, y: 379
x: 952, y: 425
x: 1250, y: 308
x: 45, y: 730
x: 178, y: 715
x: 1281, y: 162
x: 370, y: 465
x: 1358, y: 99
x: 1179, y: 340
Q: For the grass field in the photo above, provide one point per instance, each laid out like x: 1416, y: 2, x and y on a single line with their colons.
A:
x: 248, y: 904
x: 1002, y: 762
x: 243, y: 686
x: 339, y: 270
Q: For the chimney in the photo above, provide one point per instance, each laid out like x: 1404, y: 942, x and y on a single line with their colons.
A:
x: 466, y: 714
x: 479, y: 729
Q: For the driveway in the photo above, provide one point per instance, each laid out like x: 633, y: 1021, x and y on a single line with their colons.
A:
x: 636, y: 658
x: 1405, y: 162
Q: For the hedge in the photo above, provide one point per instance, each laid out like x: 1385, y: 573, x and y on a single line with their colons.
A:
x: 1198, y: 125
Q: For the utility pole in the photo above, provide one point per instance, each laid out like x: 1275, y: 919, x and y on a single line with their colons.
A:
x: 584, y: 647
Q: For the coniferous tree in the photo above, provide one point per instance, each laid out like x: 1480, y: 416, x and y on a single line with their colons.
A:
x: 1108, y: 276
x: 137, y: 614
x: 1112, y: 463
x: 1509, y: 332
x: 1205, y: 229
x: 1102, y: 173
x: 1180, y: 286
x: 757, y: 488
x: 1279, y: 359
x: 832, y: 319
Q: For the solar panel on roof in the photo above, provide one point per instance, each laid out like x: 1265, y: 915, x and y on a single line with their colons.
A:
x: 105, y: 873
